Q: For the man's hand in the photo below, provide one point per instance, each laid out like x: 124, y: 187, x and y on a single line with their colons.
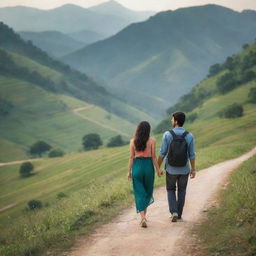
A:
x: 160, y: 173
x: 192, y: 174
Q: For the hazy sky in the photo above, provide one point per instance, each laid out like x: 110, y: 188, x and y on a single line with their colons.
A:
x: 156, y: 5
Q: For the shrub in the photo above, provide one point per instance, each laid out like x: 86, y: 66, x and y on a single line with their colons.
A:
x: 191, y: 117
x: 35, y: 204
x: 39, y: 147
x: 56, y: 153
x: 116, y: 141
x: 61, y: 195
x: 214, y: 69
x: 232, y: 111
x: 91, y: 141
x: 252, y: 95
x: 227, y: 82
x: 247, y: 76
x: 25, y: 169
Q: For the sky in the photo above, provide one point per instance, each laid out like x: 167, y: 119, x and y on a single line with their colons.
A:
x: 154, y: 5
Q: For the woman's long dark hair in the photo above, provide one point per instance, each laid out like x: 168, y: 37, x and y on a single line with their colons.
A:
x: 141, y: 135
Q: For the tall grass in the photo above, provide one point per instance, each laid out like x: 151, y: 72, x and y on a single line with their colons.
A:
x: 230, y: 229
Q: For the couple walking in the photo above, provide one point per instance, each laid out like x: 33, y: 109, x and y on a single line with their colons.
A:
x: 178, y: 150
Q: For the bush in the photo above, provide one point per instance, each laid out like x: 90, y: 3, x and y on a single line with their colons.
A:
x: 39, y: 147
x: 214, y: 69
x: 227, y: 82
x: 26, y: 169
x: 56, y: 153
x: 116, y: 141
x: 191, y: 117
x: 91, y: 141
x: 247, y: 76
x: 61, y: 195
x: 34, y: 204
x: 232, y: 111
x: 252, y: 95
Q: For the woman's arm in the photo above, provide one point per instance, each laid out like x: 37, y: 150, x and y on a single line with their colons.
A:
x: 132, y: 154
x: 159, y: 171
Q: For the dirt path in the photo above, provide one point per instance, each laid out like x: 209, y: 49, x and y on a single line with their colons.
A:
x: 20, y: 161
x: 7, y: 207
x: 77, y: 110
x: 124, y: 237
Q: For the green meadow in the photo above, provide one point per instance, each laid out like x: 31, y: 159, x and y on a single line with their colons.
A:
x: 230, y: 227
x: 96, y: 186
x: 38, y: 114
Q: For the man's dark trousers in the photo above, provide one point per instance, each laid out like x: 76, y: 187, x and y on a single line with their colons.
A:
x: 181, y: 181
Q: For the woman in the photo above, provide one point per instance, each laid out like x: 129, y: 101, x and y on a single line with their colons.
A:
x: 141, y: 168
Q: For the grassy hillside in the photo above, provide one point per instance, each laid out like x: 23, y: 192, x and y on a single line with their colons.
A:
x: 80, y: 175
x: 213, y: 94
x: 37, y: 114
x: 172, y: 53
x: 230, y: 227
x: 22, y: 60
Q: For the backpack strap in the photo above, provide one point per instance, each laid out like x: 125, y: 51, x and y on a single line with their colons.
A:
x: 185, y: 134
x: 173, y: 134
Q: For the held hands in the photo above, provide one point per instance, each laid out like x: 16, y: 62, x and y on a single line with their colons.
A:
x: 192, y: 174
x: 160, y: 173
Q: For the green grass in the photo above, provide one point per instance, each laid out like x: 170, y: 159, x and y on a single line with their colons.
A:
x: 230, y: 227
x: 95, y: 182
x: 38, y: 114
x: 80, y: 175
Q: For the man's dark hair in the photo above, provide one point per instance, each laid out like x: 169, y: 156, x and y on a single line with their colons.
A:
x: 179, y: 117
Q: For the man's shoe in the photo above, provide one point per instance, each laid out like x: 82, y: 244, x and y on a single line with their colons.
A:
x: 174, y: 217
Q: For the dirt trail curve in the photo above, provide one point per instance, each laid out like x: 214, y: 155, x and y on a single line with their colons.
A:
x: 77, y: 110
x: 20, y: 161
x: 124, y: 237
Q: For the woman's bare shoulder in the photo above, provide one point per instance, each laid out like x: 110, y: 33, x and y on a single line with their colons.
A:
x: 152, y: 139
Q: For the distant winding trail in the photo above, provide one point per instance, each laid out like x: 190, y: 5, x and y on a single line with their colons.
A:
x: 20, y: 161
x: 124, y: 237
x: 77, y: 110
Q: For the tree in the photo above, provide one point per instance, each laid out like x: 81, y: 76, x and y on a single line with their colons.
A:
x: 56, y: 153
x: 214, y: 69
x: 34, y: 204
x: 39, y: 147
x: 252, y: 95
x: 232, y: 111
x: 25, y: 169
x: 247, y: 76
x: 227, y: 82
x: 116, y: 141
x: 91, y: 141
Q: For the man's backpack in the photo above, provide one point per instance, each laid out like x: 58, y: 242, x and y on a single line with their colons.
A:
x: 178, y: 150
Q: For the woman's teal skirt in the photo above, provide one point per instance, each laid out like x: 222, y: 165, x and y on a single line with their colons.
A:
x: 143, y: 175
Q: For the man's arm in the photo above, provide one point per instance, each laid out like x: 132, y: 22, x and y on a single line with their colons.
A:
x: 193, y: 168
x: 160, y: 160
x: 192, y: 156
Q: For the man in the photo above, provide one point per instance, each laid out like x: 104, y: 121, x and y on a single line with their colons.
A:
x: 177, y: 170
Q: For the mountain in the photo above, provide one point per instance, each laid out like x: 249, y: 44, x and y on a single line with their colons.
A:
x: 152, y: 63
x: 116, y: 9
x: 86, y: 36
x: 228, y: 83
x: 44, y: 99
x: 34, y: 20
x: 53, y: 42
